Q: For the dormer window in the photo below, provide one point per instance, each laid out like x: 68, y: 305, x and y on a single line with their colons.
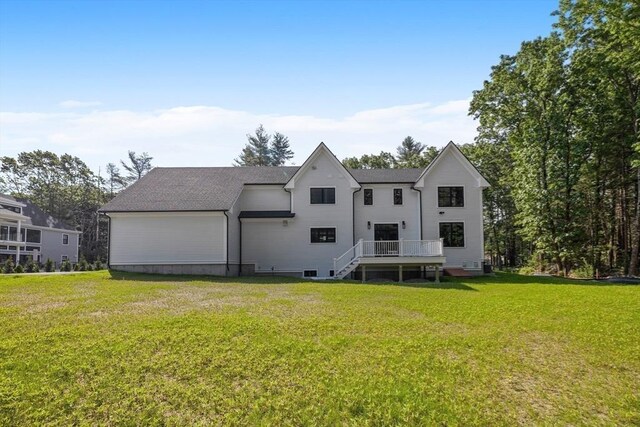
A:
x: 323, y: 196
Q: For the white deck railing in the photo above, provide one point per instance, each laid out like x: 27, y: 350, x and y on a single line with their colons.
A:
x: 389, y: 248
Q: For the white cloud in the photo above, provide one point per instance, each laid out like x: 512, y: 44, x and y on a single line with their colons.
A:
x: 214, y: 136
x: 71, y: 103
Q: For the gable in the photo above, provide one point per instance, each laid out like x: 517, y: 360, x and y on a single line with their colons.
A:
x: 322, y: 159
x: 452, y: 160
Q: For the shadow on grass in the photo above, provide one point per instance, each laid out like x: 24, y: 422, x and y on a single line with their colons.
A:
x: 513, y: 279
x: 446, y: 284
x: 149, y: 277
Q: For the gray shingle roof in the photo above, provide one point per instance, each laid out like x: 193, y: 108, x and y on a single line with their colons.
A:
x: 38, y: 216
x: 217, y: 188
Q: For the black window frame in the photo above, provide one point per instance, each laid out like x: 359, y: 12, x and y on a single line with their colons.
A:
x: 448, y: 196
x: 310, y: 273
x: 63, y: 239
x: 317, y: 233
x: 446, y: 232
x: 398, y: 197
x: 368, y: 196
x: 323, y: 195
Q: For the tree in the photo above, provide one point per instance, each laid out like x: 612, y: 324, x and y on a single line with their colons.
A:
x: 409, y: 152
x: 279, y: 151
x: 138, y: 165
x: 115, y: 180
x: 263, y: 150
x: 384, y: 160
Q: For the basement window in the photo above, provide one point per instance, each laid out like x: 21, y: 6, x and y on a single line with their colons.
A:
x: 310, y: 273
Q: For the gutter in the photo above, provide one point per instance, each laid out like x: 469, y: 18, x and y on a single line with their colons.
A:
x: 353, y: 215
x: 420, y: 192
x: 227, y: 250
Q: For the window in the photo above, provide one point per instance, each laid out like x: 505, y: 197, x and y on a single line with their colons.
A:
x: 65, y: 239
x: 323, y: 235
x: 65, y: 258
x: 310, y: 273
x: 4, y: 232
x: 32, y: 248
x: 451, y: 197
x: 331, y: 273
x: 368, y: 196
x: 453, y: 234
x: 397, y: 196
x: 12, y: 208
x: 323, y: 196
x: 33, y: 236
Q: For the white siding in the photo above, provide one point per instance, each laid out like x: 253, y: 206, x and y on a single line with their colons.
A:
x: 168, y: 238
x: 270, y: 245
x: 451, y: 172
x: 384, y: 211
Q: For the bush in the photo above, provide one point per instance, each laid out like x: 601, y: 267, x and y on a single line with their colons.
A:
x: 31, y: 267
x: 76, y: 267
x: 18, y: 269
x: 83, y: 265
x: 527, y: 270
x: 65, y: 266
x: 49, y: 266
x: 99, y: 265
x: 89, y: 267
x: 8, y: 267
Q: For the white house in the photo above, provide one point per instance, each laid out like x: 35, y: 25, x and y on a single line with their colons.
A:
x: 316, y: 220
x: 26, y: 231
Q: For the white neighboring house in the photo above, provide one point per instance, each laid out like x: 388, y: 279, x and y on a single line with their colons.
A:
x: 316, y: 220
x: 26, y: 231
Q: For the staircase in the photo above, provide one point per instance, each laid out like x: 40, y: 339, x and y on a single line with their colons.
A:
x: 342, y: 273
x: 347, y: 262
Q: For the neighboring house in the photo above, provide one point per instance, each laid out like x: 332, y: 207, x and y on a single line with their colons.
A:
x: 26, y: 231
x: 316, y: 220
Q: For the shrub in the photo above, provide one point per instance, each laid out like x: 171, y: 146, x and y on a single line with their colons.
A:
x: 18, y: 269
x: 89, y: 267
x: 49, y: 266
x: 83, y: 265
x: 527, y: 270
x: 8, y: 267
x: 99, y: 265
x: 65, y: 266
x: 31, y: 267
x: 76, y: 267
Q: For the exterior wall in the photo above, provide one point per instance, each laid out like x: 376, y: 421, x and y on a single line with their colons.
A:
x: 276, y: 248
x: 187, y: 269
x: 384, y: 211
x: 50, y: 245
x: 166, y: 238
x: 451, y: 172
x: 53, y: 248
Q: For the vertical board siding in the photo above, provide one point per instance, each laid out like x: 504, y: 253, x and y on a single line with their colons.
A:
x: 168, y: 238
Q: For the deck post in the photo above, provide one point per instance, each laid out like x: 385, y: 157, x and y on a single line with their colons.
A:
x: 437, y: 273
x: 364, y: 273
x: 400, y: 273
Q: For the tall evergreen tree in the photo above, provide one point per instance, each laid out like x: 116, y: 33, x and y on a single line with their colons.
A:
x: 263, y: 150
x: 137, y: 166
x: 409, y: 152
x: 279, y: 151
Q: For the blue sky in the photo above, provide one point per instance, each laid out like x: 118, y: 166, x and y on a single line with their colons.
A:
x: 178, y: 78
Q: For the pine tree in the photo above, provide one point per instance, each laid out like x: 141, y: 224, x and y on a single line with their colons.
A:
x: 280, y: 151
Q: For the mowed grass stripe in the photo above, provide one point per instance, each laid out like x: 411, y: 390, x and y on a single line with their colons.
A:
x: 129, y: 349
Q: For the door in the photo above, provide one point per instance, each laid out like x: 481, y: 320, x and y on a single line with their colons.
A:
x: 386, y: 239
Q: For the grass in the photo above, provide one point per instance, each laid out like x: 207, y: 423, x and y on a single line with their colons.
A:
x: 101, y: 348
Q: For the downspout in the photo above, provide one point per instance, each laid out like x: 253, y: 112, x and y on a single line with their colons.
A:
x: 240, y: 248
x: 109, y: 243
x: 420, y: 192
x: 353, y: 214
x: 227, y: 251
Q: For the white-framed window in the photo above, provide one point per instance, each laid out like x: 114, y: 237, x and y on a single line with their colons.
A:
x: 64, y: 258
x: 368, y: 196
x: 323, y: 235
x: 65, y: 239
x: 451, y: 197
x: 397, y: 196
x: 322, y: 196
x: 34, y: 236
x: 310, y: 273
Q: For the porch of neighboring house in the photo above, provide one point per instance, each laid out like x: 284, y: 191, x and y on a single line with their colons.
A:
x: 12, y: 236
x: 370, y: 257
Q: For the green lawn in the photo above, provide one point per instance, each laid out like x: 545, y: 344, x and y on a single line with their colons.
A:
x: 149, y: 350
